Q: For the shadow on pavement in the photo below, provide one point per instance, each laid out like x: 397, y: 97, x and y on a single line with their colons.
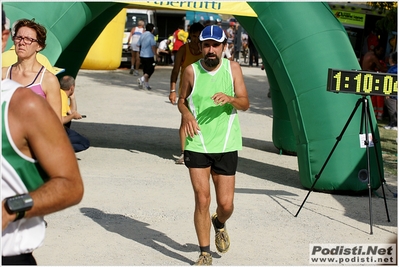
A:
x: 164, y: 144
x: 139, y: 232
x: 131, y: 137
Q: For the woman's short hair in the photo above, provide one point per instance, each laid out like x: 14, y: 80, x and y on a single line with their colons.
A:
x: 40, y: 30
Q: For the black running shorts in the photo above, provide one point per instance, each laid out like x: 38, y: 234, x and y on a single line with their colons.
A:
x: 220, y: 163
x: 148, y: 65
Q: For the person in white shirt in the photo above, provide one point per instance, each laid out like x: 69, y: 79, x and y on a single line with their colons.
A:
x: 163, y: 51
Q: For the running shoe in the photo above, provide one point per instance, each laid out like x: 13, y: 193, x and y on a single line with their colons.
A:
x: 140, y: 83
x: 147, y: 85
x: 180, y: 160
x: 222, y: 240
x: 204, y: 259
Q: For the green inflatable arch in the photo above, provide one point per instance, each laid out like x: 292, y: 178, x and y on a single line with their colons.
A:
x: 298, y: 42
x: 72, y: 27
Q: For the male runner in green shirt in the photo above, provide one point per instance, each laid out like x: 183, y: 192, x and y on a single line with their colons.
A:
x: 212, y: 91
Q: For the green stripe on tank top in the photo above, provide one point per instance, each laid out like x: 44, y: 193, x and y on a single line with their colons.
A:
x: 31, y: 174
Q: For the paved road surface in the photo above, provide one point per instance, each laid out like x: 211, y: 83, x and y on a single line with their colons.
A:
x: 138, y: 205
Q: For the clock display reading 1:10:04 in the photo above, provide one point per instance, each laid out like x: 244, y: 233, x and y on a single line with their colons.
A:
x: 362, y: 82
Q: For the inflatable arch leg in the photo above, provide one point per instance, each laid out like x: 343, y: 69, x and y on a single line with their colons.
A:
x: 299, y: 41
x: 283, y: 135
x: 72, y: 27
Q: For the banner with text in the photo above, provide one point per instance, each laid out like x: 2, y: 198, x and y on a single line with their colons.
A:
x: 350, y: 18
x: 230, y: 8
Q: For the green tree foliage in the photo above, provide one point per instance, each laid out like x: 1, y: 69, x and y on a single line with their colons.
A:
x: 390, y: 21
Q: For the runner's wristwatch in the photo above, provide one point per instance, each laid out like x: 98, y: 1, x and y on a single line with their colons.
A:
x: 18, y: 205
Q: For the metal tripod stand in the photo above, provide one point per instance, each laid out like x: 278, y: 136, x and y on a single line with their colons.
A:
x: 367, y: 126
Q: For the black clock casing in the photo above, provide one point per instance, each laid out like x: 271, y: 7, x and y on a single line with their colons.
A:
x: 362, y: 82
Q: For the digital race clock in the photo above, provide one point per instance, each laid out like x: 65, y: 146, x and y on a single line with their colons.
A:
x: 362, y: 82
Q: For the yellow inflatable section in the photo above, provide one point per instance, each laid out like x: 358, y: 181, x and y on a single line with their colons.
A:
x: 9, y: 57
x: 106, y: 52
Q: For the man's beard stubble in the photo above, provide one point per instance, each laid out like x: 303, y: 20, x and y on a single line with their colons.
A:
x: 211, y: 62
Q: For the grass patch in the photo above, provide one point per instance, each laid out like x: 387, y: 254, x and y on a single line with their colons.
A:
x: 389, y: 148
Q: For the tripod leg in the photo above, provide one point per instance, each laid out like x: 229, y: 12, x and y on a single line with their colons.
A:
x: 307, y: 195
x: 375, y: 141
x: 331, y: 152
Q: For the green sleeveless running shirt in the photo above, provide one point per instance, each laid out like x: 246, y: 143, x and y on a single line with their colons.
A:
x: 16, y: 165
x: 219, y: 126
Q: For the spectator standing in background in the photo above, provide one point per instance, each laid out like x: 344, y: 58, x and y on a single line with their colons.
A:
x: 134, y: 37
x: 170, y: 46
x: 372, y: 62
x: 30, y: 38
x: 230, y: 33
x: 148, y: 52
x: 237, y: 42
x: 253, y: 53
x: 391, y: 102
x: 179, y: 39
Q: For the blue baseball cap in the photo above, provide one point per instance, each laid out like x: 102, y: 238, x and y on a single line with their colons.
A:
x: 213, y: 32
